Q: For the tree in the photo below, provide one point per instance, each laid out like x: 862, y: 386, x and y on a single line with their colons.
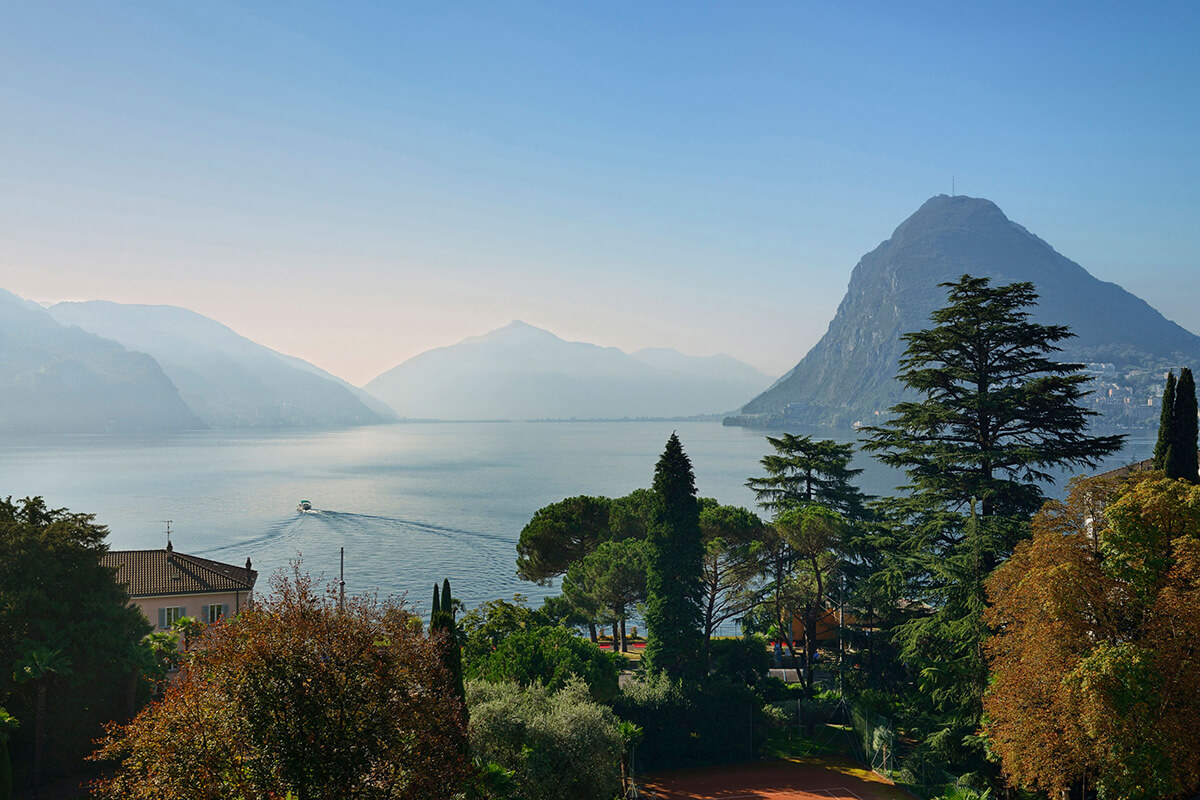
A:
x: 733, y: 545
x: 8, y: 724
x: 297, y: 697
x: 998, y: 413
x: 559, y: 534
x: 55, y: 594
x: 1094, y: 675
x: 612, y: 577
x: 557, y: 743
x: 1166, y: 418
x: 813, y: 534
x: 808, y: 470
x: 1180, y: 459
x: 38, y: 666
x: 673, y: 615
x: 995, y: 415
x: 443, y: 630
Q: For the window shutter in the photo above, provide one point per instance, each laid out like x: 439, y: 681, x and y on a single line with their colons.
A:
x: 224, y: 610
x: 162, y: 618
x: 182, y: 612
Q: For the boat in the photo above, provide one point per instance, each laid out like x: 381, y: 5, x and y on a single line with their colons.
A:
x: 304, y: 506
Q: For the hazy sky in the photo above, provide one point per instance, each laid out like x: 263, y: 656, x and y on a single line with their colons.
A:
x: 354, y: 183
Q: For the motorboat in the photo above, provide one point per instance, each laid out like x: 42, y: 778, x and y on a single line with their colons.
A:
x: 304, y: 506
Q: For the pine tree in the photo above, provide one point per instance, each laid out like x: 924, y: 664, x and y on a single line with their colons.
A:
x: 1181, y: 461
x: 1165, y: 418
x: 997, y: 415
x: 674, y: 643
x: 807, y: 470
x: 998, y: 412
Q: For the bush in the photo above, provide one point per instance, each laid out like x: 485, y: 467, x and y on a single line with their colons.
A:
x: 743, y: 660
x: 688, y: 724
x: 556, y: 744
x: 551, y: 657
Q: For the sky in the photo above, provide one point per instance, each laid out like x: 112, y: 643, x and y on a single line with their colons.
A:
x: 355, y: 183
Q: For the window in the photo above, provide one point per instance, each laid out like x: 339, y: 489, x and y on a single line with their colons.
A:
x: 214, y: 612
x: 169, y: 616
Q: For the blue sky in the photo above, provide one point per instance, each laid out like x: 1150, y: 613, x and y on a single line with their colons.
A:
x: 354, y: 183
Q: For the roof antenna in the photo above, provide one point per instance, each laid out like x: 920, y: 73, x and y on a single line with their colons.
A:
x: 169, y: 547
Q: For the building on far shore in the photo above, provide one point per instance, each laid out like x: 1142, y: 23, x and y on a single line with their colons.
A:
x: 167, y: 585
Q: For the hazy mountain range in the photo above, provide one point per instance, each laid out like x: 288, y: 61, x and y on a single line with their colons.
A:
x: 849, y: 374
x: 226, y: 379
x: 108, y: 367
x: 58, y: 379
x: 523, y: 372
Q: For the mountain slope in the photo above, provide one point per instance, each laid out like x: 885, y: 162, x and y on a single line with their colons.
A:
x: 849, y: 374
x: 56, y: 379
x: 227, y: 379
x: 523, y: 372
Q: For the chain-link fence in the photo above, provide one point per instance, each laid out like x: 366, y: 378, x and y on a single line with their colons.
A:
x: 874, y: 740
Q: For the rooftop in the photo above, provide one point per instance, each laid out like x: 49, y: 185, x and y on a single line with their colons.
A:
x: 150, y: 573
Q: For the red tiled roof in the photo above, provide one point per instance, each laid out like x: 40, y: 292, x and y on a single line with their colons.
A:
x: 149, y: 573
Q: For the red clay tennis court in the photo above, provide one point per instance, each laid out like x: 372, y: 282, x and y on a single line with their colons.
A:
x: 793, y: 779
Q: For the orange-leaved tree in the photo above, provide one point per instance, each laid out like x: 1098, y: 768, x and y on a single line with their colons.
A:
x: 1095, y: 678
x: 298, y: 698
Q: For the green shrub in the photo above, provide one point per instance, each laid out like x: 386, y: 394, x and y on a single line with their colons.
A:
x: 742, y: 660
x: 688, y: 724
x: 552, y: 657
x: 556, y: 744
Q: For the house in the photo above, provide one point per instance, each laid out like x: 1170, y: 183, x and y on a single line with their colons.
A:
x: 167, y: 585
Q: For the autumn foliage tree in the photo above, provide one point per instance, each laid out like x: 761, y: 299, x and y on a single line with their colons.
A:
x: 1095, y: 680
x: 296, y: 698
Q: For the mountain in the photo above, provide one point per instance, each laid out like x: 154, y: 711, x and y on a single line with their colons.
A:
x: 849, y: 375
x: 523, y: 372
x: 56, y: 379
x: 228, y: 380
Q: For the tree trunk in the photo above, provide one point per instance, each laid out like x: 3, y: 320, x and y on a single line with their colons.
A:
x: 624, y: 637
x: 39, y: 737
x: 592, y: 631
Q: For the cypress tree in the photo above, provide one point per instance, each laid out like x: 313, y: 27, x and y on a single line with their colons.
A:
x: 1165, y: 419
x: 1181, y: 461
x: 673, y: 582
x: 442, y: 620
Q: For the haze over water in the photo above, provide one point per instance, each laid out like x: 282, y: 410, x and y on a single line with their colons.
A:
x: 411, y: 503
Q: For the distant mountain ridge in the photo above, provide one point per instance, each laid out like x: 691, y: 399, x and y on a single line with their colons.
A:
x: 523, y: 372
x: 228, y: 380
x: 59, y: 379
x: 849, y: 375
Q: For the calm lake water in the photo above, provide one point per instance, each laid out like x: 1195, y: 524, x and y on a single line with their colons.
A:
x: 411, y: 503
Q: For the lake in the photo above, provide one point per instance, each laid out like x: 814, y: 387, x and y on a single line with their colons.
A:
x: 412, y: 503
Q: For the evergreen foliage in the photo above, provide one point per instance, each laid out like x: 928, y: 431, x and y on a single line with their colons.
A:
x: 674, y: 642
x: 443, y: 629
x: 1180, y: 461
x: 55, y: 596
x: 998, y: 413
x: 808, y: 470
x: 1165, y: 420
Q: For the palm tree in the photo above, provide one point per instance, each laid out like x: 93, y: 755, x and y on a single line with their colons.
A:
x: 38, y: 666
x: 8, y: 724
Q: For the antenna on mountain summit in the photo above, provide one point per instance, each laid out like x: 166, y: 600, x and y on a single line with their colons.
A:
x: 952, y: 186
